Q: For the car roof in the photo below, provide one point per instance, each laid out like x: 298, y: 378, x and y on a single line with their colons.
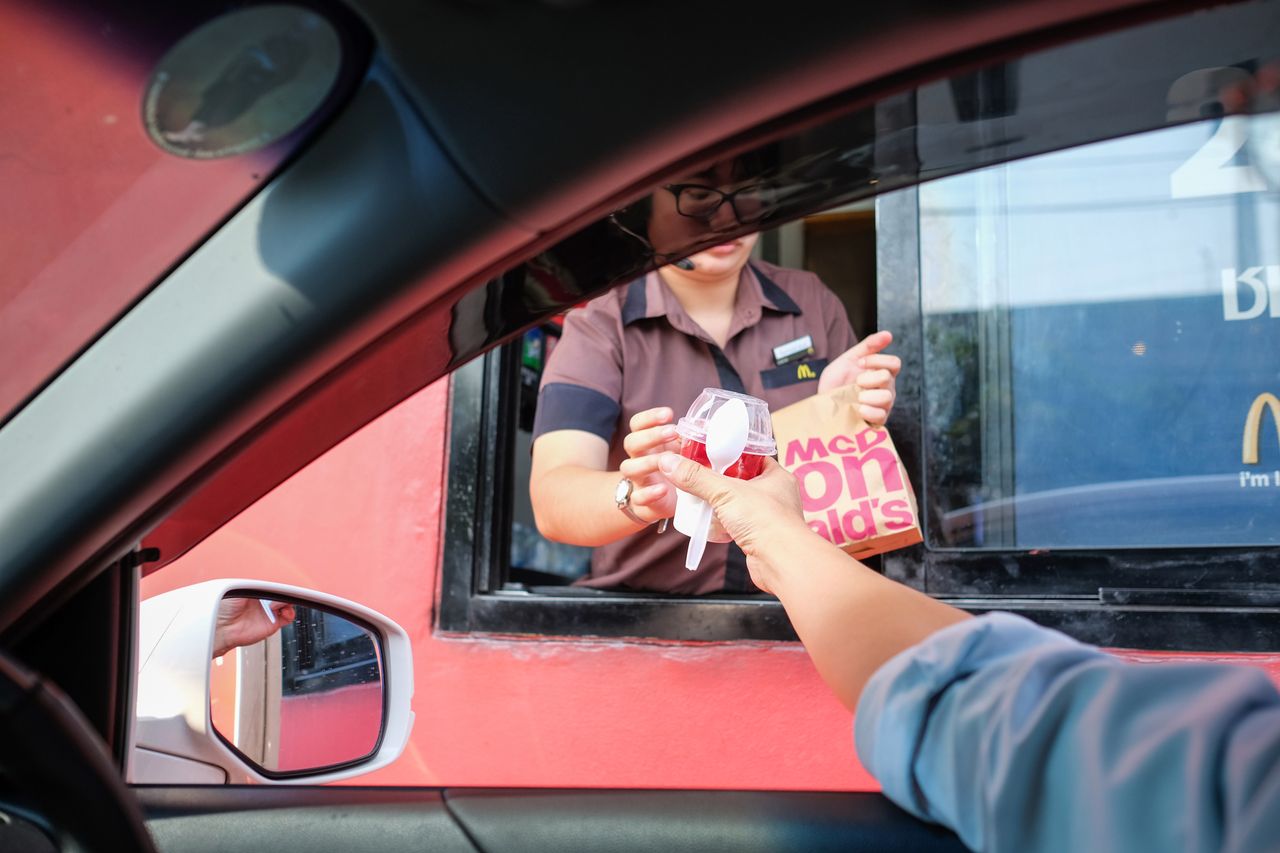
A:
x: 484, y: 133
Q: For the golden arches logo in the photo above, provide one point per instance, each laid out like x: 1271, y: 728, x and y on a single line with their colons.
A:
x: 805, y: 371
x: 1253, y: 425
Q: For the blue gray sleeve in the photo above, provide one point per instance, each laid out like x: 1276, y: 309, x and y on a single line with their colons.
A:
x: 1022, y: 739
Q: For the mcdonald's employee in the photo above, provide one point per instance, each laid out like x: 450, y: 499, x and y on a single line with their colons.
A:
x: 632, y: 361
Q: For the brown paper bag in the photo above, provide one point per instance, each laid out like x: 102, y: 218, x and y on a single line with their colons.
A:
x: 853, y: 485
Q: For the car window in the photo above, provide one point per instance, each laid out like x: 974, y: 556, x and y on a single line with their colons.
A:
x: 1098, y: 359
x: 125, y: 143
x: 846, y: 149
x: 1048, y: 307
x: 1092, y: 365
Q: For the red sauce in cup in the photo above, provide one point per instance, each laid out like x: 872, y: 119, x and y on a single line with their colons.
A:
x: 748, y: 465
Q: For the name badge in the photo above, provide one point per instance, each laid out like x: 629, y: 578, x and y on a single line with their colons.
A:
x: 801, y: 347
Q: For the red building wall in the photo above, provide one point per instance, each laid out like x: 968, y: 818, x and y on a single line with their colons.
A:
x: 363, y: 522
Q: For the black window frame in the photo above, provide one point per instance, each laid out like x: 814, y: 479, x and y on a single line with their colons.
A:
x: 309, y: 662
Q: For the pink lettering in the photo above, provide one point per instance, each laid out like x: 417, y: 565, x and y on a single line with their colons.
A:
x: 820, y: 528
x: 861, y: 513
x: 842, y: 444
x: 834, y: 521
x: 889, y: 473
x: 832, y: 485
x: 897, y: 515
x: 869, y: 438
x: 809, y: 452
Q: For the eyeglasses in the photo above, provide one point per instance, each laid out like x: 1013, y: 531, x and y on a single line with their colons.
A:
x: 698, y: 201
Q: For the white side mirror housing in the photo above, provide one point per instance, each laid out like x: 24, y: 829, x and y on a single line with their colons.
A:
x: 175, y: 740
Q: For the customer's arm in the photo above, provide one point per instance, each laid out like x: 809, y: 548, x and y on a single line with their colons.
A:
x: 1015, y: 736
x: 1020, y: 738
x: 850, y: 618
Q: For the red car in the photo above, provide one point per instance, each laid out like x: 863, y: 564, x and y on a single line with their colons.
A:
x: 278, y: 285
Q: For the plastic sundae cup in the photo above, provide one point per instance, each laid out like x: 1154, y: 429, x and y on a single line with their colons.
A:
x: 692, y: 429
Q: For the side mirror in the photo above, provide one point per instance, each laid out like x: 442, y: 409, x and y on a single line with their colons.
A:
x: 252, y: 682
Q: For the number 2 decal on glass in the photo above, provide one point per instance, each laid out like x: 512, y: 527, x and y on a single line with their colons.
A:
x: 1209, y: 171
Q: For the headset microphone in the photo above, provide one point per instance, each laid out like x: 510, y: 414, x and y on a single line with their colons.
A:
x: 685, y: 264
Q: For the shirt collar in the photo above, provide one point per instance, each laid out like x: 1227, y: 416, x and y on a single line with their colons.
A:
x: 648, y: 297
x: 771, y: 294
x: 636, y: 304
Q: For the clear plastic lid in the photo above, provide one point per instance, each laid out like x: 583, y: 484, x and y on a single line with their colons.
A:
x: 760, y: 435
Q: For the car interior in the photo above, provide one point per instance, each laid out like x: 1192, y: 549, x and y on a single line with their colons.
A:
x: 191, y: 317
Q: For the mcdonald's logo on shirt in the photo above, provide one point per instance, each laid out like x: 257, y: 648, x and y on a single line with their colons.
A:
x: 1253, y: 425
x: 786, y: 375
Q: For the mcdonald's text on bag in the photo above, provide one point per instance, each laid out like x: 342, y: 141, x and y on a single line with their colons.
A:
x: 825, y: 480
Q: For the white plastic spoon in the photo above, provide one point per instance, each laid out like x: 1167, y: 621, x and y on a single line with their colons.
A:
x: 726, y: 439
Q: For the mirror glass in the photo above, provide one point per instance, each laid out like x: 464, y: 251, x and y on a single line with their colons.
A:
x: 295, y: 688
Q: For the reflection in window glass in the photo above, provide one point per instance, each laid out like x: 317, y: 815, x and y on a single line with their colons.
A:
x: 324, y: 652
x: 1099, y: 325
x: 535, y: 559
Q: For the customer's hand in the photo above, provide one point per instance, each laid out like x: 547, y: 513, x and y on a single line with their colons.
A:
x: 874, y: 372
x: 652, y: 433
x: 762, y: 515
x: 243, y: 622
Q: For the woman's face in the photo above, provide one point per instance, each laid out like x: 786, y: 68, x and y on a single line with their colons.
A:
x: 722, y: 259
x: 670, y: 231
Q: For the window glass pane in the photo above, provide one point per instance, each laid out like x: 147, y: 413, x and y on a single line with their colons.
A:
x: 1099, y: 324
x: 533, y: 556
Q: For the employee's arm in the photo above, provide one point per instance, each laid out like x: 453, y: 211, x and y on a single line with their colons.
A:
x: 572, y: 493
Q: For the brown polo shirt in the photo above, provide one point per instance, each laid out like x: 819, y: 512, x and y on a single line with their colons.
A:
x: 635, y: 348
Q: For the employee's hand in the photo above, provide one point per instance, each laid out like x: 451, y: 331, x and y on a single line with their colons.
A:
x: 652, y: 433
x: 763, y: 515
x: 874, y: 372
x: 243, y: 622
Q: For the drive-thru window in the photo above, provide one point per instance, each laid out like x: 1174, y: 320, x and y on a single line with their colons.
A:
x: 1145, y: 270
